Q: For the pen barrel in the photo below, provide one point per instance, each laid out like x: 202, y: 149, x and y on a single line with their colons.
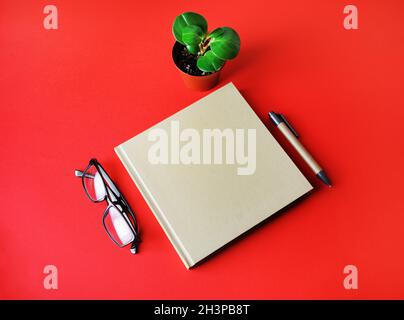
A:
x: 299, y: 148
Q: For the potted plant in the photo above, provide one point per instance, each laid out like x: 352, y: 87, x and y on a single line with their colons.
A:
x: 200, y: 55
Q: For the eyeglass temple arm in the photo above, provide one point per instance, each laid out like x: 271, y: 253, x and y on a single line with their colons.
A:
x: 79, y: 174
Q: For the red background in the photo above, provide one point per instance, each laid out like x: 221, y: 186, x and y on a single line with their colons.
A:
x: 106, y: 74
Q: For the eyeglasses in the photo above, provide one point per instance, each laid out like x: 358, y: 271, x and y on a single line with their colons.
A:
x: 118, y: 219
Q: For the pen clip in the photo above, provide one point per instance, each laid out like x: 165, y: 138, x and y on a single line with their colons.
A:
x: 288, y: 125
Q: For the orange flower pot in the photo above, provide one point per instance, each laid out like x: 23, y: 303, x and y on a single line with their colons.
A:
x: 194, y: 82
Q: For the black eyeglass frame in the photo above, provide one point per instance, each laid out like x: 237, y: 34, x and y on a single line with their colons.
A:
x: 119, y: 203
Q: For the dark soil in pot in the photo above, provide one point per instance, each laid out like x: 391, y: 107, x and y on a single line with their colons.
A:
x: 185, y: 61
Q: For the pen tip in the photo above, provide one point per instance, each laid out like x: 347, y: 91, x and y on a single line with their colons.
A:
x: 323, y: 177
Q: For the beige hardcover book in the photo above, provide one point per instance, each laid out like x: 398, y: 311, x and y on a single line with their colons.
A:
x: 211, y: 172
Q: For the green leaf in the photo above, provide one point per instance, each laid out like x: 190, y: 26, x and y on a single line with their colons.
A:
x: 216, y: 33
x: 224, y: 43
x: 209, y: 62
x: 192, y: 35
x: 188, y: 19
x: 193, y: 49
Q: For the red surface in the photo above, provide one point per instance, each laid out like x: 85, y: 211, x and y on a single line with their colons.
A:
x: 106, y: 74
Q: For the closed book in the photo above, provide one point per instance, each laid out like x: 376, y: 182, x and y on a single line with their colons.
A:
x: 211, y: 172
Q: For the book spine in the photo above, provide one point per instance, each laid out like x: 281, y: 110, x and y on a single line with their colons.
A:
x: 182, y: 252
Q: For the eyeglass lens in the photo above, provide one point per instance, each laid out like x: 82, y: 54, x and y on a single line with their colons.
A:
x: 117, y: 226
x: 93, y: 184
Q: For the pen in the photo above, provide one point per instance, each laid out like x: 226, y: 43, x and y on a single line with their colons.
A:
x: 287, y: 130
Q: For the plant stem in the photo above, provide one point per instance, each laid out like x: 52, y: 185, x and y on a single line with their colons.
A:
x: 203, y: 46
x: 200, y: 49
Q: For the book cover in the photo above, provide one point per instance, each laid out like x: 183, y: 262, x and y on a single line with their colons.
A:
x: 211, y: 172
